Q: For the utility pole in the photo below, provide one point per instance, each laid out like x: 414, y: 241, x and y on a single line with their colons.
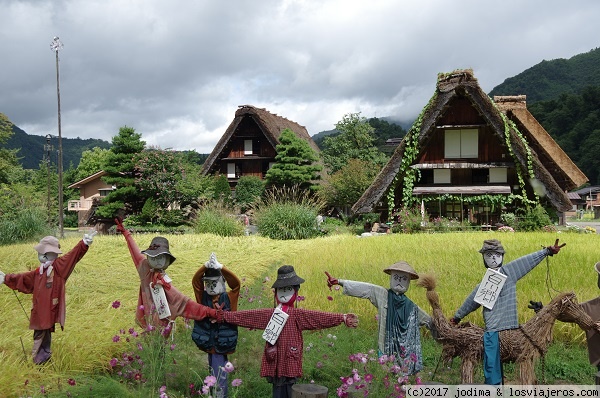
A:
x: 56, y: 46
x: 47, y: 151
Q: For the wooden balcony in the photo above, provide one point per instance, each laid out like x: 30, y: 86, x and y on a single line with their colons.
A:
x: 80, y: 205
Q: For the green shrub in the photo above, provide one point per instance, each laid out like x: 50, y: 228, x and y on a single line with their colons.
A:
x: 248, y: 191
x: 217, y: 221
x: 25, y: 224
x: 409, y: 220
x: 288, y: 213
x: 534, y: 219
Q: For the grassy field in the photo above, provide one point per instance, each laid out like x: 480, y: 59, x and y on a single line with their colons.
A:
x: 82, y: 352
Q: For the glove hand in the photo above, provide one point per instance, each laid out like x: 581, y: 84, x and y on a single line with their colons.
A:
x: 535, y: 305
x: 220, y: 316
x: 119, y: 224
x: 552, y: 250
x: 213, y: 263
x: 1, y: 277
x: 88, y: 239
x: 351, y: 320
x: 331, y: 280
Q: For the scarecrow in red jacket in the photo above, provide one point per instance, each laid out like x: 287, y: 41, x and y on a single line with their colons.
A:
x: 47, y: 285
x: 216, y: 339
x: 283, y: 326
x: 159, y: 302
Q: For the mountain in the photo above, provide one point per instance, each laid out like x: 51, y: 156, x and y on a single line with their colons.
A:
x: 31, y: 148
x: 549, y: 79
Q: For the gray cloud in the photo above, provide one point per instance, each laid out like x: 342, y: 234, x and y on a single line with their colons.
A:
x: 176, y: 71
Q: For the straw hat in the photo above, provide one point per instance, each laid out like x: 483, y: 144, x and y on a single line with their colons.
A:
x: 402, y: 266
x: 48, y: 244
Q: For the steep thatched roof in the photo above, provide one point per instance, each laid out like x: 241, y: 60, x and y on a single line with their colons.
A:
x: 463, y: 83
x: 270, y: 124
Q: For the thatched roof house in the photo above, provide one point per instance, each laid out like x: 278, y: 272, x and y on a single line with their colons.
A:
x: 248, y: 146
x: 466, y: 157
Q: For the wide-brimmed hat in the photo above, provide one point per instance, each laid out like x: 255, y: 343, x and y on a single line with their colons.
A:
x: 402, y: 266
x: 493, y: 245
x: 48, y: 244
x: 286, y: 276
x: 212, y: 273
x: 159, y: 245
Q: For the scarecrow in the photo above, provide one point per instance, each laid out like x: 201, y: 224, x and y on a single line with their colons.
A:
x: 592, y: 308
x: 159, y: 302
x: 497, y: 293
x: 283, y: 325
x: 47, y: 285
x: 399, y: 318
x: 216, y: 339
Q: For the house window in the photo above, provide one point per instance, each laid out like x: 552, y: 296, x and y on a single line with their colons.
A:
x: 104, y: 192
x: 479, y: 176
x: 461, y: 143
x: 248, y: 147
x: 441, y: 176
x: 498, y: 175
x: 453, y: 210
x: 230, y: 170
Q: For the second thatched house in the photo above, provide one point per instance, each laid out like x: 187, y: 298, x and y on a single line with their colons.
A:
x: 468, y: 157
x: 248, y: 146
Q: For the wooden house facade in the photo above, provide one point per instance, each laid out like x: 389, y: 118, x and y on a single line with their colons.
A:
x: 248, y: 146
x: 91, y: 190
x: 468, y: 158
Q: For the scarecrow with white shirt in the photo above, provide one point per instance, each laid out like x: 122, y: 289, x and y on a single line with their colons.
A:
x: 283, y: 326
x: 46, y: 284
x: 159, y: 302
x: 399, y: 318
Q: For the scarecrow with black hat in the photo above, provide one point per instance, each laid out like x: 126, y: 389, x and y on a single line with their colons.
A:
x: 497, y: 293
x: 159, y: 302
x: 399, y: 318
x: 47, y: 285
x: 216, y: 339
x: 283, y: 325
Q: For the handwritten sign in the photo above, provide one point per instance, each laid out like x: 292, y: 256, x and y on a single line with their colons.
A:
x: 489, y: 288
x: 275, y: 325
x: 160, y: 301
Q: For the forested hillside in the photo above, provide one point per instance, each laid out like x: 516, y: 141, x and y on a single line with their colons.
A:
x: 31, y: 148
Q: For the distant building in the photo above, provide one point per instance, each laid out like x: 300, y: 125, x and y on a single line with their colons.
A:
x: 248, y: 146
x: 471, y: 158
x: 91, y: 190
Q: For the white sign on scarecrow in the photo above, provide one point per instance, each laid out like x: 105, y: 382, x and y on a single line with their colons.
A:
x: 489, y: 288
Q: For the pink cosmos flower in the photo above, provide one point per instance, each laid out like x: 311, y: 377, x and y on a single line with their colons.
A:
x: 116, y: 304
x: 116, y: 338
x: 329, y: 298
x: 236, y: 382
x: 71, y: 382
x: 210, y: 381
x: 228, y: 367
x: 113, y: 362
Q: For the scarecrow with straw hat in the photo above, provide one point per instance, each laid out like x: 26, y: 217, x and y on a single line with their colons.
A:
x: 159, y: 302
x: 497, y: 293
x: 216, y: 339
x: 47, y: 285
x: 283, y: 325
x: 399, y: 318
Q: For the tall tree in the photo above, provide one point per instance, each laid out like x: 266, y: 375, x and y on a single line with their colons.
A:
x: 296, y: 162
x: 8, y: 157
x: 120, y: 168
x: 355, y: 141
x: 92, y: 161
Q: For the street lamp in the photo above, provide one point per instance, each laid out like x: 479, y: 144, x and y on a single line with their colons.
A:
x: 56, y: 46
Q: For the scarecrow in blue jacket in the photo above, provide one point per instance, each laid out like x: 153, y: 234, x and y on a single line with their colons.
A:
x: 216, y: 339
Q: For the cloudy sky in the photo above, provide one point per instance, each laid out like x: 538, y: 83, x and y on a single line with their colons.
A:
x: 176, y: 70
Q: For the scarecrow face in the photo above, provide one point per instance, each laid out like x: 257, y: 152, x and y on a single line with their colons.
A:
x: 214, y: 286
x: 399, y: 281
x: 43, y: 257
x: 160, y: 262
x: 492, y: 259
x: 285, y: 294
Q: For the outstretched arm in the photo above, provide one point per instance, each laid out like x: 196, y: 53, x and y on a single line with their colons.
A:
x: 134, y: 250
